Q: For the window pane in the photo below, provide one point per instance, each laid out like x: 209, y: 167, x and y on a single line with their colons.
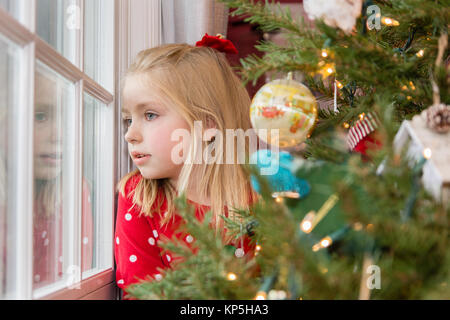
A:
x: 99, y: 42
x: 58, y: 22
x: 12, y: 6
x: 53, y: 155
x: 97, y: 164
x: 9, y: 86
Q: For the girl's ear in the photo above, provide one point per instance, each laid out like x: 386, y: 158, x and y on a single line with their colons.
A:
x: 210, y: 129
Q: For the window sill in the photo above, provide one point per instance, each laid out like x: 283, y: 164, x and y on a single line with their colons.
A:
x: 85, y: 288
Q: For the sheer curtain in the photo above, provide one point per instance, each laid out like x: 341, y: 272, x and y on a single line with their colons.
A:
x: 186, y: 21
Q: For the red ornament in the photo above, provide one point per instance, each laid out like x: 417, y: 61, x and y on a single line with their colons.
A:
x: 218, y: 42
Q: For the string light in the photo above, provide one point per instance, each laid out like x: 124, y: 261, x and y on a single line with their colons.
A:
x: 420, y: 53
x: 327, y: 70
x: 411, y: 84
x: 261, y: 295
x: 323, y: 270
x: 279, y: 199
x: 357, y: 226
x: 324, y: 53
x: 339, y: 84
x: 326, y: 242
x: 346, y: 125
x: 231, y: 276
x: 361, y: 116
x: 390, y: 22
x: 307, y: 222
x: 427, y: 153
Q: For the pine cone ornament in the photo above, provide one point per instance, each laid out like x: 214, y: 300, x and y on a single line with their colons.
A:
x: 437, y: 117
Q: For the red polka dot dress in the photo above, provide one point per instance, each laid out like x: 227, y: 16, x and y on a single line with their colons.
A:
x: 137, y: 253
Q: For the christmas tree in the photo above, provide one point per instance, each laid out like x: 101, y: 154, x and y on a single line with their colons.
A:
x: 367, y: 228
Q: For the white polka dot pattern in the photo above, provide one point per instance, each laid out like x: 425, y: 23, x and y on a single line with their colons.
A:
x: 189, y: 239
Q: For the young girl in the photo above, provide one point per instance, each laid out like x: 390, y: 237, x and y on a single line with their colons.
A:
x: 168, y: 88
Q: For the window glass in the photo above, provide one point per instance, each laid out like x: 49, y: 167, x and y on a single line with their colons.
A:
x: 99, y: 42
x: 57, y: 23
x: 53, y: 164
x: 97, y: 160
x: 9, y: 94
x: 12, y: 6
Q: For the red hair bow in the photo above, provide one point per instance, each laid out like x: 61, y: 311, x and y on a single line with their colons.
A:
x: 218, y: 42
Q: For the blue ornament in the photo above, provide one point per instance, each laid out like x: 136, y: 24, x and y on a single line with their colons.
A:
x: 278, y: 168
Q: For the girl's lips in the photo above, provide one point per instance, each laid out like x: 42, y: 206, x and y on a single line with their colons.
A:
x: 142, y: 160
x: 51, y: 159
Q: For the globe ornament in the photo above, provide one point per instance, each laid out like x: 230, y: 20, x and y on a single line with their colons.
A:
x: 286, y: 105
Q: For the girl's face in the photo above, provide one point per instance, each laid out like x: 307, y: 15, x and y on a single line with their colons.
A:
x: 47, y: 132
x: 150, y: 125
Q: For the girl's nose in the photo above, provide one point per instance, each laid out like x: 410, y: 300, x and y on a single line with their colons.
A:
x: 133, y: 134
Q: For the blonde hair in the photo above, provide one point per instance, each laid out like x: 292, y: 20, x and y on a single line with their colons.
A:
x: 201, y: 84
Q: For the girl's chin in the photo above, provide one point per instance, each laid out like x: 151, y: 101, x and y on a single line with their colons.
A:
x: 148, y: 174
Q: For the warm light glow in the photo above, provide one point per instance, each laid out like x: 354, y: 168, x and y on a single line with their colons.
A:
x: 231, y: 276
x: 339, y: 85
x: 307, y: 223
x: 261, y: 295
x: 404, y: 87
x: 326, y: 70
x: 389, y: 22
x: 324, y: 53
x: 258, y: 247
x: 316, y: 247
x: 427, y: 153
x: 420, y: 53
x: 325, y: 242
x: 411, y: 84
x: 357, y: 226
x: 346, y: 125
x: 279, y: 199
x: 306, y: 226
x: 361, y: 116
x: 323, y: 270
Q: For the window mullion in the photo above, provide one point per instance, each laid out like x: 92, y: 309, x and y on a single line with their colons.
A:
x: 28, y: 14
x: 80, y: 36
x: 25, y: 177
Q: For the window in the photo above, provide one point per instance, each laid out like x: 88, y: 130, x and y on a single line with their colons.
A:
x: 12, y: 6
x: 98, y: 37
x: 58, y: 161
x: 97, y: 176
x: 52, y: 164
x: 9, y: 68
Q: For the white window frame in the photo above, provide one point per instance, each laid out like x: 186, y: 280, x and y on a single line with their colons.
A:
x: 137, y: 26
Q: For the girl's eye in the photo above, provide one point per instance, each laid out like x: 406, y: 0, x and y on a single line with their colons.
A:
x: 150, y: 116
x: 127, y: 122
x: 40, y: 116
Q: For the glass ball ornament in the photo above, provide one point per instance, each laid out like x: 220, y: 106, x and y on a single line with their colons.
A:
x: 286, y: 105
